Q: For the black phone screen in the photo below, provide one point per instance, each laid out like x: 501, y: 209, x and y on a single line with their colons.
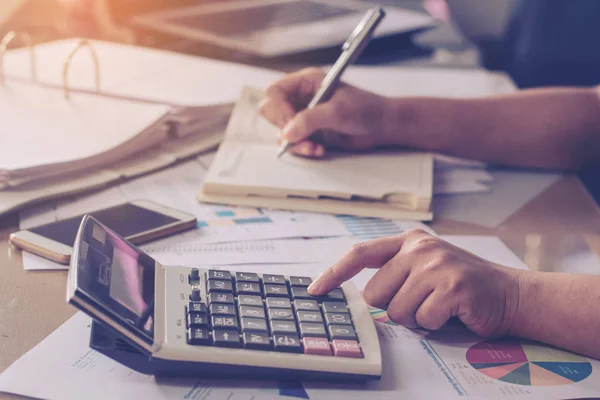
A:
x: 125, y: 219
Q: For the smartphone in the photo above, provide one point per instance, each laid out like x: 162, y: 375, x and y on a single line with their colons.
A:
x: 138, y: 221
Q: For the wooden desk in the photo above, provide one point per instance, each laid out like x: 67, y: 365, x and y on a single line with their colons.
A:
x: 544, y: 233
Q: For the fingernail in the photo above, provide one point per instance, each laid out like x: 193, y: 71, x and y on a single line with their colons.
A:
x: 314, y: 287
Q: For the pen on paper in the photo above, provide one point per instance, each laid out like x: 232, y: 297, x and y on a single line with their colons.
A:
x: 351, y: 50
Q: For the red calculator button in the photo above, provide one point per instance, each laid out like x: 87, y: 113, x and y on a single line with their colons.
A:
x: 317, y: 346
x: 347, y: 348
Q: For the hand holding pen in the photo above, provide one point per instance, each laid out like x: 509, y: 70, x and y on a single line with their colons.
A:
x: 351, y: 50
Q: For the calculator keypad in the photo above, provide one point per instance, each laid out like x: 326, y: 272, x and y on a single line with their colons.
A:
x: 269, y: 312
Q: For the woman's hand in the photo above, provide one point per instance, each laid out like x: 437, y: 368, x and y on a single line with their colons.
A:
x: 423, y: 281
x: 352, y: 119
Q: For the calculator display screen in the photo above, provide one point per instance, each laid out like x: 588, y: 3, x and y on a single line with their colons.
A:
x: 117, y: 278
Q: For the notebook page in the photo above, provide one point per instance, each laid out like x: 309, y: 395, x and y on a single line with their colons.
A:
x: 244, y: 168
x: 141, y: 72
x: 41, y: 127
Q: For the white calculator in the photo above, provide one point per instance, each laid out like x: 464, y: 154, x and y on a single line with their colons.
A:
x: 186, y: 321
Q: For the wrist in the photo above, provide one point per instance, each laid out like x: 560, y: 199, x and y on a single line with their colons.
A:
x: 402, y: 120
x: 527, y: 291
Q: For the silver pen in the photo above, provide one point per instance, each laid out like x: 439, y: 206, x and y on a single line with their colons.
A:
x: 351, y: 50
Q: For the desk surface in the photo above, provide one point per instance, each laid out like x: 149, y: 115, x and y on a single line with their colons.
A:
x: 544, y: 233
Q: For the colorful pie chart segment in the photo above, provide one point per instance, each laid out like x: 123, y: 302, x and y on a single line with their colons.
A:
x: 527, y: 363
x: 380, y: 315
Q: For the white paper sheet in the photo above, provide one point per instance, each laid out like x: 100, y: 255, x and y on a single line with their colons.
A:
x: 65, y: 368
x: 177, y: 187
x: 511, y: 190
x: 247, y: 252
x: 142, y: 72
x: 210, y: 254
x: 32, y: 262
x: 47, y: 129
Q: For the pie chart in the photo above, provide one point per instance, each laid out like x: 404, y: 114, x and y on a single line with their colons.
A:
x: 527, y: 363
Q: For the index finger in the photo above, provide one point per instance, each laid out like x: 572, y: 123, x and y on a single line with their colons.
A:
x: 371, y: 254
x: 296, y: 86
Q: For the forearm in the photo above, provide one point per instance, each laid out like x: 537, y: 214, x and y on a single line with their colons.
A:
x: 543, y: 128
x: 560, y: 309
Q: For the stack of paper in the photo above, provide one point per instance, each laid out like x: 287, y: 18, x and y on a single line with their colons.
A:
x: 460, y: 176
x: 246, y: 171
x: 47, y: 135
x: 152, y: 109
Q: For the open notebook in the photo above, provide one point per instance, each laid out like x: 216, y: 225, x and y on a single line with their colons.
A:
x: 246, y: 171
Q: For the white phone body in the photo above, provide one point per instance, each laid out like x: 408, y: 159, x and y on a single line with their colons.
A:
x: 61, y: 253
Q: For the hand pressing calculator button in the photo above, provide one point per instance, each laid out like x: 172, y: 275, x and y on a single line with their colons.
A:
x: 220, y: 323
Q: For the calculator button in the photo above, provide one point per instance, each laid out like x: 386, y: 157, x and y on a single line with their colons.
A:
x: 225, y: 322
x: 338, y: 318
x: 220, y: 286
x: 197, y: 320
x: 254, y: 325
x: 217, y: 274
x: 222, y: 309
x: 306, y: 305
x: 256, y: 341
x: 336, y: 295
x: 274, y: 302
x: 246, y: 277
x: 222, y: 298
x: 247, y: 288
x: 276, y: 291
x: 195, y: 296
x: 196, y: 306
x: 252, y: 312
x: 347, y: 348
x: 300, y: 281
x: 300, y: 293
x: 274, y: 279
x: 317, y: 346
x: 287, y: 343
x: 283, y: 327
x: 247, y: 300
x: 334, y: 307
x: 312, y: 329
x: 309, y: 316
x: 226, y: 338
x: 341, y: 332
x: 281, y: 314
x: 198, y: 336
x: 195, y: 275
